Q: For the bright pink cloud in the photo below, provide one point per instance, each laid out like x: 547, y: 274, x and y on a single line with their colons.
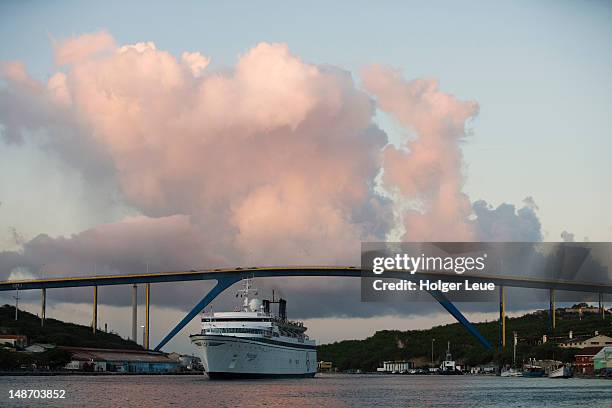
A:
x: 428, y: 169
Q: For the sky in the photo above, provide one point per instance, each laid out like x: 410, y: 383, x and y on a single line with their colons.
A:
x: 506, y: 103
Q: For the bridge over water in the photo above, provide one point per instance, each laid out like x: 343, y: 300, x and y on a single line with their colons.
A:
x: 226, y: 277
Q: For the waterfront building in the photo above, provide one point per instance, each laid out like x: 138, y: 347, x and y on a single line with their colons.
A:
x: 121, y: 361
x: 13, y: 340
x: 584, y: 360
x: 399, y: 367
x: 602, y: 362
x: 599, y: 340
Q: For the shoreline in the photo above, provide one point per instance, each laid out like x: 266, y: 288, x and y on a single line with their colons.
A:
x: 84, y: 373
x: 201, y: 373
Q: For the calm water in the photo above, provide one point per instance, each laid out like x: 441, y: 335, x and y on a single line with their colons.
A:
x: 324, y: 390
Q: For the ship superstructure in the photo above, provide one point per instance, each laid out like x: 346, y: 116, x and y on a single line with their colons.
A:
x: 448, y: 365
x: 255, y: 342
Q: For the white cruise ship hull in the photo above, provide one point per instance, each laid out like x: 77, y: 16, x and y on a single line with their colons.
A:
x: 254, y: 357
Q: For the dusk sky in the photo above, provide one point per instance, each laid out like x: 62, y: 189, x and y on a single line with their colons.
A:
x: 201, y: 135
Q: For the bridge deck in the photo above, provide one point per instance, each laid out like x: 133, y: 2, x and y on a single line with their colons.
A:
x: 303, y: 271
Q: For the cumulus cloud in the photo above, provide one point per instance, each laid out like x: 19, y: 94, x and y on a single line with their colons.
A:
x: 428, y: 169
x: 133, y: 245
x: 196, y: 62
x: 140, y: 47
x: 82, y: 47
x: 275, y: 161
x: 506, y: 222
x: 234, y: 150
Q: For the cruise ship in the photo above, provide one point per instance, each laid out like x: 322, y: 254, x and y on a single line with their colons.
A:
x: 254, y: 342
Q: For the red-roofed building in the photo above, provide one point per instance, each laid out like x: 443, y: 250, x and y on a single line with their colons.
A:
x: 584, y: 360
x: 13, y: 340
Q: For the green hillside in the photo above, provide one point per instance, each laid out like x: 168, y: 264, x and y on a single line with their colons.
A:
x: 386, y: 345
x: 58, y: 332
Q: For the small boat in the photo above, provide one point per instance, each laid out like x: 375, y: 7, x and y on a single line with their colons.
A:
x: 533, y: 371
x: 561, y: 372
x: 511, y: 373
x: 448, y: 365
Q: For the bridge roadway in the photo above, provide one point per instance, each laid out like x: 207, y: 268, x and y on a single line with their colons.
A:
x: 303, y: 271
x: 227, y: 277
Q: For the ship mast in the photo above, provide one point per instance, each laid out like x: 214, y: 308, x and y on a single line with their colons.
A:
x: 244, y: 293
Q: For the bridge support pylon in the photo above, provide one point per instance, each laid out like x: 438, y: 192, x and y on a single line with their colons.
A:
x: 450, y: 307
x: 43, y: 306
x: 147, y: 314
x: 134, y: 313
x: 553, y: 311
x: 94, y: 320
x: 502, y: 318
x: 222, y: 284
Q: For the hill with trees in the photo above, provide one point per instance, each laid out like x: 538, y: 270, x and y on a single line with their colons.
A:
x: 416, y: 345
x: 54, y: 332
x: 58, y: 332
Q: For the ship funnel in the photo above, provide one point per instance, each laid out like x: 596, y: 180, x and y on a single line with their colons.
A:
x: 282, y: 309
x: 266, y: 306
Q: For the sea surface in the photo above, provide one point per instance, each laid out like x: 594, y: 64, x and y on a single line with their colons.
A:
x: 325, y: 390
